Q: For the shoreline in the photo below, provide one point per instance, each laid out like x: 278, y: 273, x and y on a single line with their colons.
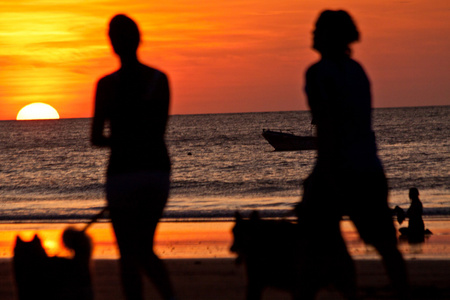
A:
x: 285, y: 216
x: 436, y: 202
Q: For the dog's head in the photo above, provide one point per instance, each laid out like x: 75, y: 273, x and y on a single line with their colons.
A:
x: 29, y: 251
x: 244, y: 234
x: 78, y: 241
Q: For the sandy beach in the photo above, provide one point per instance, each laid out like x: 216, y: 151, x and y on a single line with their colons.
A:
x: 201, y: 266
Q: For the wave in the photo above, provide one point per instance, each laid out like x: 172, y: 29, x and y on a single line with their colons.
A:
x: 212, y: 214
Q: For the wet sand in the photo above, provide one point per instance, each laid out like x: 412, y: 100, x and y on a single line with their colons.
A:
x: 206, y: 279
x: 202, y: 267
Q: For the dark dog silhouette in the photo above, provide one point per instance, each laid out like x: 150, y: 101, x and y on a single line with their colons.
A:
x: 39, y: 276
x: 277, y: 254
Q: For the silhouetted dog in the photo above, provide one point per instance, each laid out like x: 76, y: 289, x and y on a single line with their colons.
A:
x: 53, y: 278
x: 277, y: 254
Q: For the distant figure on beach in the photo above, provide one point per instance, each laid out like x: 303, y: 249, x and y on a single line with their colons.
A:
x: 415, y: 212
x: 415, y: 232
x: 348, y: 178
x: 133, y: 102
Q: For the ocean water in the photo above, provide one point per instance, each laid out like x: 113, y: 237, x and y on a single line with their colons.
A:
x: 221, y: 163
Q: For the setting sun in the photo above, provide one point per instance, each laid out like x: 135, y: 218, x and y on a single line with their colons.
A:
x: 37, y: 111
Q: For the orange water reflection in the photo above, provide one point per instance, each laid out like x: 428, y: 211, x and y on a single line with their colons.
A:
x: 202, y: 240
x: 173, y: 240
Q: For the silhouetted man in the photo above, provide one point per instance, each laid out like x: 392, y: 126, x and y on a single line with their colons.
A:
x: 348, y: 178
x: 134, y: 100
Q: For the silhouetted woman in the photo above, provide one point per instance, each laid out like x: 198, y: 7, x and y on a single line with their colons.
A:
x: 415, y: 231
x: 133, y: 103
x: 348, y: 178
x: 415, y: 212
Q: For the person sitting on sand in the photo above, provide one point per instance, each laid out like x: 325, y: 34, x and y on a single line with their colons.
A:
x: 415, y: 232
x: 415, y: 212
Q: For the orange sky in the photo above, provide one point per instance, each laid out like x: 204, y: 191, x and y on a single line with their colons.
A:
x: 221, y: 56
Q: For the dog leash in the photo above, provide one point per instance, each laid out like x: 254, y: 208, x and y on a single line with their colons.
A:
x: 95, y: 218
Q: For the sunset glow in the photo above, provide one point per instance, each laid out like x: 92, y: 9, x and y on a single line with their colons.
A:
x: 233, y: 56
x: 37, y: 111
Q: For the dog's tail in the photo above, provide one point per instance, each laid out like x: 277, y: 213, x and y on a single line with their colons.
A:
x: 79, y: 242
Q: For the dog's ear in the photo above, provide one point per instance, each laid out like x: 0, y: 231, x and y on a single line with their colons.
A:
x: 36, y: 239
x: 237, y: 216
x: 18, y: 240
x: 254, y: 216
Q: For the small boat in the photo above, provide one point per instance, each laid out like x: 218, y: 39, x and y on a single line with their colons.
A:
x: 287, y: 141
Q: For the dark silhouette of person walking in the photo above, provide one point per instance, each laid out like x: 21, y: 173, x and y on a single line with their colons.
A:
x: 133, y: 103
x: 348, y: 178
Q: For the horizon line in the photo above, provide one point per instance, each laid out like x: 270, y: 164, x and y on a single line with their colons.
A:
x: 224, y: 113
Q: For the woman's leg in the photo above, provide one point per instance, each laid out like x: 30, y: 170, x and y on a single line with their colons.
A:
x: 136, y: 208
x: 123, y: 224
x: 372, y: 217
x: 157, y: 191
